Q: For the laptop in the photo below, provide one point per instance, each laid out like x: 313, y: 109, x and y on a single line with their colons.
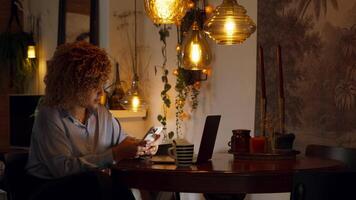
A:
x: 207, y: 143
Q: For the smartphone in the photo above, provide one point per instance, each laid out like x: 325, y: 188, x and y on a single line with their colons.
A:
x: 153, y: 135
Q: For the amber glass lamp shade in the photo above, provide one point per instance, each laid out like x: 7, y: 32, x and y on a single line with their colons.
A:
x: 133, y: 100
x: 229, y: 24
x: 166, y: 11
x: 196, y: 54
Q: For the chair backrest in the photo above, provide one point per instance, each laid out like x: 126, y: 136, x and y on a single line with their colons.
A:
x: 323, y: 185
x: 14, y: 176
x: 346, y: 155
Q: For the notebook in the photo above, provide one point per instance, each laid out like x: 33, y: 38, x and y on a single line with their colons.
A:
x: 207, y: 143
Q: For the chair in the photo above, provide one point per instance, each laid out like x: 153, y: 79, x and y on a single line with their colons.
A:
x: 15, y: 175
x: 324, y: 185
x: 346, y: 155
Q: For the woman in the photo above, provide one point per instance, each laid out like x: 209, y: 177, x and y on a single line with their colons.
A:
x: 73, y: 134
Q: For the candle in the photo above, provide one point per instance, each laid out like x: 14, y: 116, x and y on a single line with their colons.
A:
x: 281, y: 90
x: 257, y: 144
x: 263, y: 92
x: 263, y: 86
x: 279, y: 61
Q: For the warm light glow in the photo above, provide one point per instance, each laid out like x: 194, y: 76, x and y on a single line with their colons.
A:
x: 166, y: 11
x: 31, y: 51
x: 135, y: 103
x: 195, y: 53
x: 209, y: 9
x: 230, y: 27
x: 175, y: 72
x: 178, y: 48
x: 229, y: 24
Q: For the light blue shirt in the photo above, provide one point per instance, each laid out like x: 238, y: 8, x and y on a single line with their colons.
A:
x: 61, y: 145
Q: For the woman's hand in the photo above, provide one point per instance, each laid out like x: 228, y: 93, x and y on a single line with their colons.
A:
x: 129, y: 148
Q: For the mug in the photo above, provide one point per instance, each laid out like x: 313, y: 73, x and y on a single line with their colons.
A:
x: 240, y: 141
x: 182, y: 152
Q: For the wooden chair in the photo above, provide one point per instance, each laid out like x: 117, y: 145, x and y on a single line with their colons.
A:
x: 324, y: 185
x: 346, y: 155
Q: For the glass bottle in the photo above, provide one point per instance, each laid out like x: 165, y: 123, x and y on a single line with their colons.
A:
x: 118, y: 93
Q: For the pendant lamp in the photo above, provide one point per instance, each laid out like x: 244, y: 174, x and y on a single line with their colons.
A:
x: 133, y: 100
x: 196, y: 53
x: 166, y: 11
x: 229, y: 24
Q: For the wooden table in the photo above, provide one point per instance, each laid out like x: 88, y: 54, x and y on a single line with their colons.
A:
x: 222, y: 175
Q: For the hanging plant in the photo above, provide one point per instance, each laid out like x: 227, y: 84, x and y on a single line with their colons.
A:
x: 183, y: 87
x: 13, y: 52
x: 162, y: 118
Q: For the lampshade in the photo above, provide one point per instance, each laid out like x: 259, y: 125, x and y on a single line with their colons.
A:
x: 166, y: 11
x: 133, y: 100
x: 229, y: 24
x: 196, y: 54
x: 31, y: 51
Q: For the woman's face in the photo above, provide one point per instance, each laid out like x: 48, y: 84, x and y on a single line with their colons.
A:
x: 94, y: 96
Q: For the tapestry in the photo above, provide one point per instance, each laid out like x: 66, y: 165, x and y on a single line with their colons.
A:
x: 318, y: 50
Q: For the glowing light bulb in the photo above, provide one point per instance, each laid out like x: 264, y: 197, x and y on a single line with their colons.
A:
x: 230, y: 27
x: 135, y: 103
x: 31, y: 51
x: 195, y: 53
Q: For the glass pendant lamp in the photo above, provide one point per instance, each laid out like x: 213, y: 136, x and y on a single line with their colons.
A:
x: 229, y: 24
x: 166, y: 11
x: 133, y: 100
x: 196, y: 54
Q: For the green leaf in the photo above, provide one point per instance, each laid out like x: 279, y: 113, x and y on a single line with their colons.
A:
x: 164, y: 79
x: 167, y: 86
x: 170, y: 135
x: 159, y: 117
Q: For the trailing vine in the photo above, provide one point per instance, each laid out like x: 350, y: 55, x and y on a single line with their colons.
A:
x: 181, y: 86
x: 162, y: 118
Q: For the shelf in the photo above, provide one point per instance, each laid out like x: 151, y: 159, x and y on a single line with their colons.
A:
x: 124, y: 114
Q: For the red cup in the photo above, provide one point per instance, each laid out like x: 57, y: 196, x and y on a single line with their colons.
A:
x: 258, y: 144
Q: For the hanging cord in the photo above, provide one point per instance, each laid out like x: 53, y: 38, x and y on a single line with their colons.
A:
x: 135, y: 44
x: 15, y: 4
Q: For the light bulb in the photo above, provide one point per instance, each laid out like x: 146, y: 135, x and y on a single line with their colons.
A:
x: 230, y: 27
x: 196, y: 54
x: 135, y: 103
x: 31, y: 51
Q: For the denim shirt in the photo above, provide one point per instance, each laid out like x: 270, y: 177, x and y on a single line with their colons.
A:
x: 61, y: 145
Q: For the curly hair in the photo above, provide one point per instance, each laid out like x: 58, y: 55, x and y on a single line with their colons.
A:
x: 75, y: 69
